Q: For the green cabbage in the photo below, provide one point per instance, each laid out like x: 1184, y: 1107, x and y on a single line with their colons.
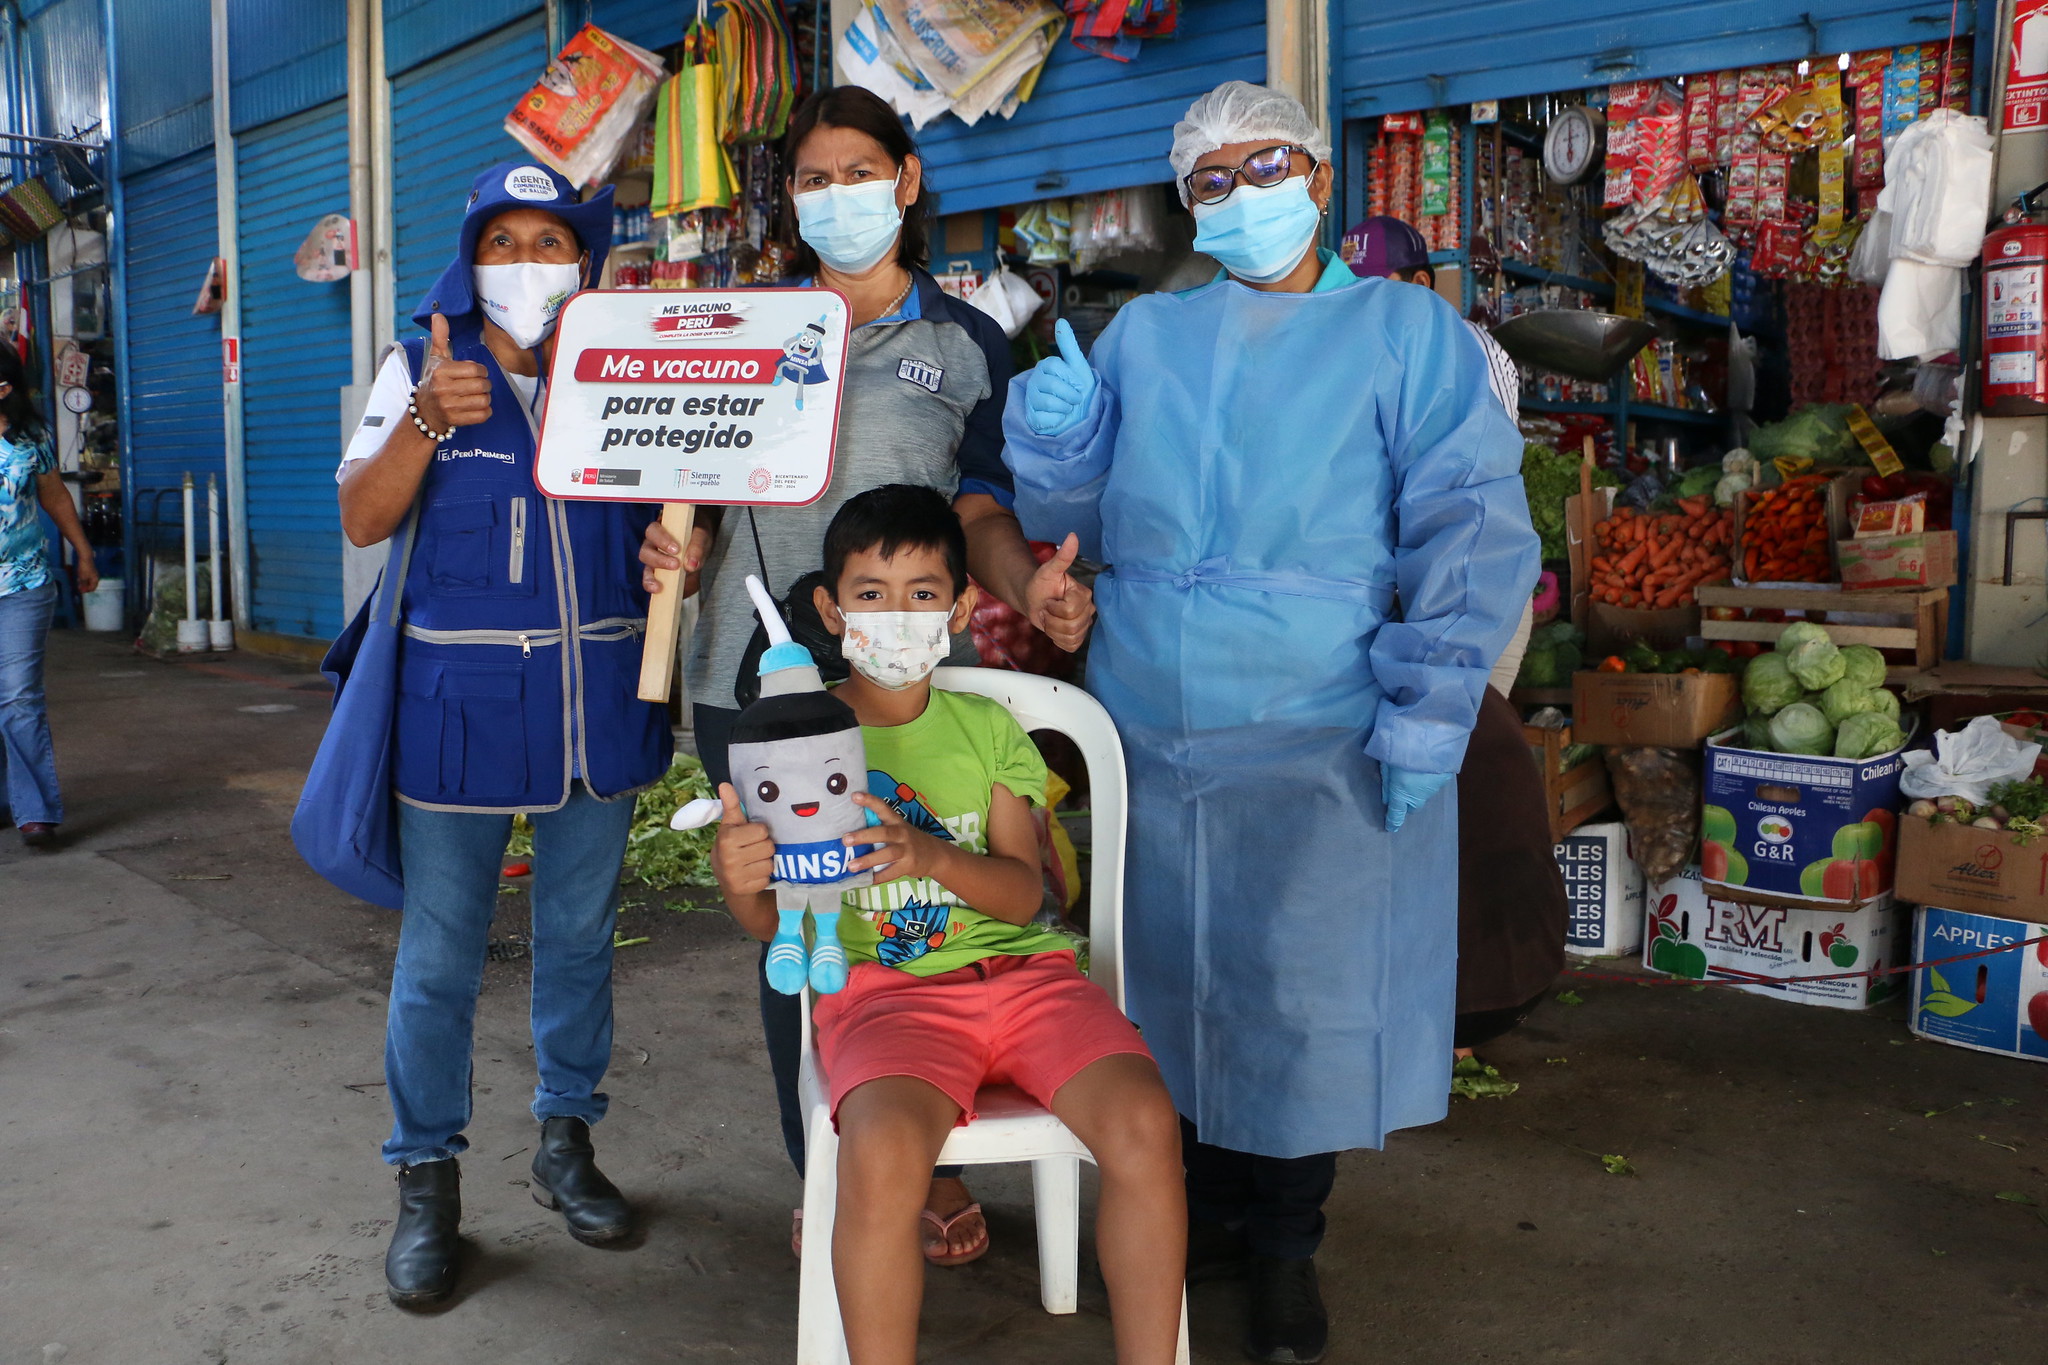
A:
x: 1768, y: 685
x: 1868, y: 735
x: 1886, y: 703
x: 1798, y: 633
x: 1801, y: 729
x: 1756, y: 734
x: 1863, y: 665
x: 1817, y: 664
x: 1845, y: 699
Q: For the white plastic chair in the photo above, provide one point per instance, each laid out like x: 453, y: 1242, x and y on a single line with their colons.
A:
x: 1008, y: 1126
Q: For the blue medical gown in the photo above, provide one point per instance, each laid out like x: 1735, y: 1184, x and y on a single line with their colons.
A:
x: 1267, y: 476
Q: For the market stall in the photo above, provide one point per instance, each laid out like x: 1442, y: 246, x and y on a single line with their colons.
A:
x: 1736, y: 299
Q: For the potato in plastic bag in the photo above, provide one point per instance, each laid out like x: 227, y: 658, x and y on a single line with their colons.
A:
x: 1659, y: 794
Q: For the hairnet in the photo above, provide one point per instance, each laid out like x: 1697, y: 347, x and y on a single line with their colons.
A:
x: 1238, y: 111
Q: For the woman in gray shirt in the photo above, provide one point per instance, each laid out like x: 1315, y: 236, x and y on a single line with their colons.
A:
x: 926, y: 377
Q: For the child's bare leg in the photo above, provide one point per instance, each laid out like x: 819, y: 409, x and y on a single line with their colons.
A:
x: 890, y: 1133
x: 1120, y: 1108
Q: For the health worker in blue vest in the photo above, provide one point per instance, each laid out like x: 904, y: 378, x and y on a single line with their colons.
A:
x: 516, y: 693
x: 1312, y: 510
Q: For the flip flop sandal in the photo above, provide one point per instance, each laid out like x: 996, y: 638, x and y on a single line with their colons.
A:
x: 944, y: 1228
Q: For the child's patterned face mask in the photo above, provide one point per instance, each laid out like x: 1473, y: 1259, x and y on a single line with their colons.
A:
x: 895, y: 649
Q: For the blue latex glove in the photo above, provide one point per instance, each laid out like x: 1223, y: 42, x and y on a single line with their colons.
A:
x: 1404, y: 791
x: 1057, y: 394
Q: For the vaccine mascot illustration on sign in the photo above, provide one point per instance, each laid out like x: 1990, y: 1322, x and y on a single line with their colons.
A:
x: 803, y: 362
x: 797, y: 760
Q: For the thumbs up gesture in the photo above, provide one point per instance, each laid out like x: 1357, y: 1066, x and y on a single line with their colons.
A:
x: 1056, y: 603
x: 1057, y: 395
x: 452, y: 393
x: 743, y: 855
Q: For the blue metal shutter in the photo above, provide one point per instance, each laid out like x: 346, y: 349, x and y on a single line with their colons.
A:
x: 295, y: 359
x: 1095, y: 124
x: 448, y: 123
x: 653, y: 24
x: 173, y: 356
x: 417, y: 31
x: 1393, y: 58
x: 166, y: 81
x: 67, y: 60
x: 284, y: 57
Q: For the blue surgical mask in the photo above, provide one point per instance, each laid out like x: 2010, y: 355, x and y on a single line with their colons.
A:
x: 851, y: 227
x: 1259, y: 234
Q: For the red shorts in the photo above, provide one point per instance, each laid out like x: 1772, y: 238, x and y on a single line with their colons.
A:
x: 1032, y: 1021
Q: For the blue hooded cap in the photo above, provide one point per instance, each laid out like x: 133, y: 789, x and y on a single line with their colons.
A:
x: 517, y: 185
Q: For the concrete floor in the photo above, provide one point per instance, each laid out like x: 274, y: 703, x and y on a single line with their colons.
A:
x: 190, y: 1042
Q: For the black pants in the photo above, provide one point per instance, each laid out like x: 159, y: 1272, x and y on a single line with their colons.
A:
x: 1278, y: 1201
x: 782, y: 1016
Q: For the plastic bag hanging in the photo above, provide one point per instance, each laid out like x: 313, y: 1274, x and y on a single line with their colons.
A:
x: 692, y: 169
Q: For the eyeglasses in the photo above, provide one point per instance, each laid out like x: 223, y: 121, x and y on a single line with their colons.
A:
x: 1261, y: 170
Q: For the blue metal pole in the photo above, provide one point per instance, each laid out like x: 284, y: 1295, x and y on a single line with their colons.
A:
x: 117, y: 268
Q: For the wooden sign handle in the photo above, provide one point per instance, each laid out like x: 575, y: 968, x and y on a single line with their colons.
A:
x: 665, y: 610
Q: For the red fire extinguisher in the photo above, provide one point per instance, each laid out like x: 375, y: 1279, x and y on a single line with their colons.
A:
x: 2015, y: 338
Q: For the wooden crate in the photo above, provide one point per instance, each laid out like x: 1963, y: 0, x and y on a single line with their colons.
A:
x: 1922, y: 617
x: 1571, y: 796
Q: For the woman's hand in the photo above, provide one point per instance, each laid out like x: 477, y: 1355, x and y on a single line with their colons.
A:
x: 87, y: 573
x: 902, y: 852
x: 658, y: 550
x: 1057, y: 394
x: 452, y: 393
x: 1056, y: 603
x: 743, y: 854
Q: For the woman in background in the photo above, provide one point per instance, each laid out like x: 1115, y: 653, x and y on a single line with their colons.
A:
x: 28, y: 599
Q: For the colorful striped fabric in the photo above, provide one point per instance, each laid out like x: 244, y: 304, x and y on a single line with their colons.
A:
x: 692, y: 169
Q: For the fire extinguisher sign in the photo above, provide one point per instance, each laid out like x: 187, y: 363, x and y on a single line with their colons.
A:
x: 2012, y: 304
x: 2026, y: 77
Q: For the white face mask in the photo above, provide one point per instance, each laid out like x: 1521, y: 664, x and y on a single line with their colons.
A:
x: 525, y: 298
x: 895, y: 649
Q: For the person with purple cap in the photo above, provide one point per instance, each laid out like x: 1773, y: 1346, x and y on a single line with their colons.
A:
x: 515, y: 694
x: 1386, y: 248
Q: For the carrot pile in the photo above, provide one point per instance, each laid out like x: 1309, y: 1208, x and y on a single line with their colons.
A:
x: 1785, y: 533
x: 1655, y: 560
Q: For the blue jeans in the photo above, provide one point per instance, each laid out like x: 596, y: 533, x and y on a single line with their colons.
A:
x: 28, y: 761
x: 451, y: 863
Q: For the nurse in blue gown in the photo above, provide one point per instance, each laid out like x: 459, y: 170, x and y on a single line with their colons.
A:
x: 1312, y: 512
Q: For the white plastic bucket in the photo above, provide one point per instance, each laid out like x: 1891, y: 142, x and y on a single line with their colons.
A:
x: 105, y: 606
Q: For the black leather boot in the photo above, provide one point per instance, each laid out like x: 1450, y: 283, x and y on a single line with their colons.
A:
x: 1289, y: 1325
x: 565, y: 1177
x: 419, y: 1265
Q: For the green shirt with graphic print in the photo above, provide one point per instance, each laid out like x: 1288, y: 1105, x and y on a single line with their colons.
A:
x: 940, y: 772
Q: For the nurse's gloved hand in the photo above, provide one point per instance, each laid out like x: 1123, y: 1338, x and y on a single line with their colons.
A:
x: 1057, y: 394
x: 1404, y: 792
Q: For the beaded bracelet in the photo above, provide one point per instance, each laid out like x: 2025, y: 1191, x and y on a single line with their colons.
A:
x: 432, y: 435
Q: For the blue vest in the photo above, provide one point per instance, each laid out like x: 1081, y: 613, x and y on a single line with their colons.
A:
x: 523, y: 615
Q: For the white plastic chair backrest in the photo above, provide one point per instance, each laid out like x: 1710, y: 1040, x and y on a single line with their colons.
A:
x: 1043, y: 704
x: 1046, y: 704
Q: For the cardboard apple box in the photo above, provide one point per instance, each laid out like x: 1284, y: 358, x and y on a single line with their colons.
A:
x: 1667, y: 710
x: 1808, y: 829
x: 1990, y: 1004
x: 1605, y: 890
x: 1694, y: 931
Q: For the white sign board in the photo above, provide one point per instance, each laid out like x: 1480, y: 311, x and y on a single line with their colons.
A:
x: 720, y: 396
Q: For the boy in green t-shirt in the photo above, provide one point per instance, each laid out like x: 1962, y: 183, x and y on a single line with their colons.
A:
x: 952, y: 985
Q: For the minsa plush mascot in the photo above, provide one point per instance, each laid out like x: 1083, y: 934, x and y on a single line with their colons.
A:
x: 797, y: 760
